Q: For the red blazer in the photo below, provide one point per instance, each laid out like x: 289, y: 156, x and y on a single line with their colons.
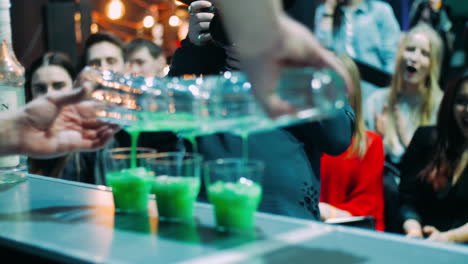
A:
x: 356, y: 185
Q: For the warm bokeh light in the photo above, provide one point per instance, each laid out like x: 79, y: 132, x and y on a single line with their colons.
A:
x: 166, y: 70
x: 174, y: 21
x: 179, y: 3
x: 94, y: 28
x: 183, y: 30
x: 115, y: 9
x: 148, y: 21
x: 158, y: 32
x: 77, y: 16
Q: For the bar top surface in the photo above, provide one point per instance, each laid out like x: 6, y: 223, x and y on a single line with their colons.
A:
x: 73, y: 222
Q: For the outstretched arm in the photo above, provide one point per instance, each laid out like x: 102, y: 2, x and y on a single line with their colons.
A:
x: 270, y: 42
x: 53, y: 125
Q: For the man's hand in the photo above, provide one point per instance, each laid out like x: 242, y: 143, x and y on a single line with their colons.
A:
x: 59, y: 123
x: 199, y: 23
x: 294, y: 47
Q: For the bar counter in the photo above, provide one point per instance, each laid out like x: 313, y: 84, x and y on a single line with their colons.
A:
x: 68, y: 222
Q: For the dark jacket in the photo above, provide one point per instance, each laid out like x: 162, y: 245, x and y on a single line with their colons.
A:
x: 445, y: 209
x: 291, y: 182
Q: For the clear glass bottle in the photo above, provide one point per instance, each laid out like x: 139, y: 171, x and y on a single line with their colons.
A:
x: 213, y: 104
x: 12, y: 94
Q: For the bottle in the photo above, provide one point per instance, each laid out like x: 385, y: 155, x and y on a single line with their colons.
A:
x: 12, y: 95
x: 212, y: 104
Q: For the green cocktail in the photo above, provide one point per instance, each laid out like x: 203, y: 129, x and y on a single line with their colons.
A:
x: 154, y: 122
x: 235, y: 204
x: 175, y: 196
x: 130, y: 189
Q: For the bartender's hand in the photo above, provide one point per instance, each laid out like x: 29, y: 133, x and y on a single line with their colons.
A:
x: 295, y: 46
x: 56, y: 124
x: 199, y: 23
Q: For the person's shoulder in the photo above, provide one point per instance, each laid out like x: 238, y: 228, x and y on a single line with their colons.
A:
x: 378, y: 95
x: 438, y: 95
x: 373, y: 136
x: 425, y: 134
x: 378, y: 4
x: 375, y: 102
x: 374, y: 139
x: 427, y: 130
x: 447, y: 9
x: 320, y: 8
x: 380, y: 7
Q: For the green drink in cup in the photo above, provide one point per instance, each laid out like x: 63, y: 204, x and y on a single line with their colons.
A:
x: 234, y: 188
x: 176, y: 184
x: 130, y: 185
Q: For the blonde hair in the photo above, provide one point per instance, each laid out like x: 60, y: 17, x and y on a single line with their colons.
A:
x: 359, y: 145
x: 431, y: 90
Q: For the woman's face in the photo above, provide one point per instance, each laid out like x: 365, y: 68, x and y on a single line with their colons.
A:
x: 49, y: 79
x: 460, y: 109
x: 416, y: 62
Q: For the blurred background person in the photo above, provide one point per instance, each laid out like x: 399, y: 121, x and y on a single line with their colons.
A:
x: 104, y: 51
x: 414, y: 96
x: 434, y: 172
x: 50, y: 73
x: 438, y: 15
x: 411, y: 101
x: 198, y: 53
x: 365, y: 30
x: 53, y: 73
x: 352, y: 183
x: 143, y: 57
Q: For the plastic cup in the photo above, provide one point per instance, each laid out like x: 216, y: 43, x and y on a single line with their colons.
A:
x: 176, y: 184
x: 130, y: 186
x: 234, y: 188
